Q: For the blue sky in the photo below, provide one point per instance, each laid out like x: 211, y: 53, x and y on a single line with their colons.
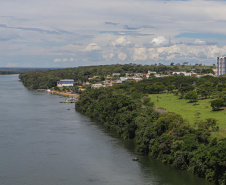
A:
x: 73, y: 33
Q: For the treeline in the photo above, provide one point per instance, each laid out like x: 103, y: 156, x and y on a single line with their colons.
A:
x: 8, y: 72
x: 127, y: 110
x: 15, y: 70
x: 48, y: 79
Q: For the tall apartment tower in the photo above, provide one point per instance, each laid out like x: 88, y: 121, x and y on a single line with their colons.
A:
x: 221, y: 65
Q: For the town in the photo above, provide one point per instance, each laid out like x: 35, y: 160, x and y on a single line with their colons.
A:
x: 69, y: 86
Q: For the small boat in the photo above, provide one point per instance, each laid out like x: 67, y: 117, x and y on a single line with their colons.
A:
x: 135, y: 159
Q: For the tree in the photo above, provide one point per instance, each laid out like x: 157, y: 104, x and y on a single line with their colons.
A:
x: 208, y: 123
x: 206, y: 89
x: 170, y: 88
x: 217, y: 103
x: 185, y: 87
x: 192, y: 96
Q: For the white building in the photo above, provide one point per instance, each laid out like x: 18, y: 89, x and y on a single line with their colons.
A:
x: 221, y: 65
x: 152, y: 73
x: 96, y: 86
x: 184, y: 73
x: 65, y: 83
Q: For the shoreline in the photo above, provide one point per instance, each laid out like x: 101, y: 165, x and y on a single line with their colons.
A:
x: 66, y: 94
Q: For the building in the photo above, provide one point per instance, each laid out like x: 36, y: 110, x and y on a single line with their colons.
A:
x: 184, y: 73
x: 65, y: 83
x: 96, y: 86
x: 116, y: 74
x: 221, y: 65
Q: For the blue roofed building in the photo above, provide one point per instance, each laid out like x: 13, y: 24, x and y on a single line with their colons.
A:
x: 65, y: 83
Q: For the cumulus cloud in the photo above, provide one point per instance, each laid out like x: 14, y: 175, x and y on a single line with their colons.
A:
x: 199, y: 42
x: 140, y: 54
x: 161, y: 41
x: 183, y: 52
x: 108, y: 56
x: 92, y: 46
x: 122, y: 56
x: 121, y: 42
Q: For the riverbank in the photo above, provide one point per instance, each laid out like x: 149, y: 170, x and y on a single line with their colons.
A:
x: 66, y: 94
x: 166, y: 137
x: 53, y: 145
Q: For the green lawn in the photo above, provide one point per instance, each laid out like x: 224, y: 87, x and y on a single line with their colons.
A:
x: 188, y: 110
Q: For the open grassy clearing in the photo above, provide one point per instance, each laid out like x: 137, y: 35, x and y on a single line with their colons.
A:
x: 188, y: 110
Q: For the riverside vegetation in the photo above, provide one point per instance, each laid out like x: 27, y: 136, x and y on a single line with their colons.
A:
x: 128, y: 110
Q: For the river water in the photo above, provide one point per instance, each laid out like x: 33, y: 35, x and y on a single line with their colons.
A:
x: 44, y: 142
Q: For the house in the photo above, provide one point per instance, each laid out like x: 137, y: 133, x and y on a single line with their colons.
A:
x: 116, y: 74
x: 184, y: 73
x: 86, y: 83
x: 96, y: 86
x: 65, y: 83
x: 137, y: 79
x: 153, y: 73
x: 123, y: 79
x: 107, y: 84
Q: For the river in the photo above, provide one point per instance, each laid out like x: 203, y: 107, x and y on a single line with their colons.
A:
x: 44, y: 142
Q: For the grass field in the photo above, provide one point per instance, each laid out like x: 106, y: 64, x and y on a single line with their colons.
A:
x: 172, y: 103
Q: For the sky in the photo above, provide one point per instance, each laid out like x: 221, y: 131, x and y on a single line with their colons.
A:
x: 72, y: 33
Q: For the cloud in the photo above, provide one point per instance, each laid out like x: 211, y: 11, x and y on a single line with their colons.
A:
x: 201, y: 35
x: 92, y: 46
x: 199, y: 42
x: 116, y: 31
x: 161, y: 41
x: 111, y: 23
x: 183, y: 52
x: 127, y: 33
x: 12, y: 64
x: 136, y: 28
x: 3, y: 26
x: 108, y: 56
x: 36, y: 30
x: 121, y: 42
x: 122, y: 56
x: 140, y: 54
x: 64, y: 60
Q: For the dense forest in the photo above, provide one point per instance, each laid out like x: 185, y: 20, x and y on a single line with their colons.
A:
x: 127, y: 110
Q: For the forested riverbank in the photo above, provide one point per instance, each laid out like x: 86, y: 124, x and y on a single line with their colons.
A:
x: 164, y: 136
x: 128, y: 110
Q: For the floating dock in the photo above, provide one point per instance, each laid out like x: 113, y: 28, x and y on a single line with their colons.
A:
x: 67, y: 101
x: 70, y: 100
